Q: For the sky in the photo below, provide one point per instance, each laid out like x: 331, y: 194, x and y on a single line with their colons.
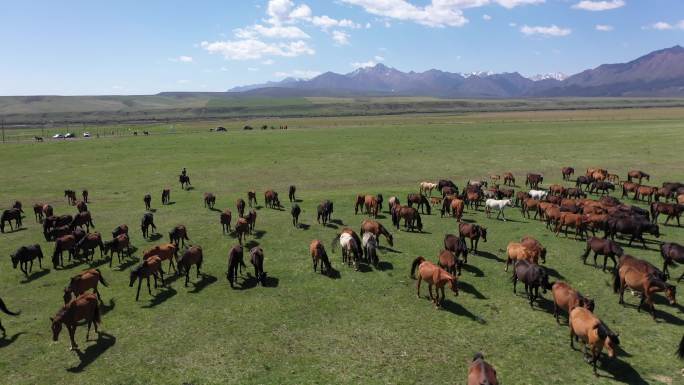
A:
x: 85, y: 47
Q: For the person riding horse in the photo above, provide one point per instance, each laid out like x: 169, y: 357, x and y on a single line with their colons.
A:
x: 184, y: 172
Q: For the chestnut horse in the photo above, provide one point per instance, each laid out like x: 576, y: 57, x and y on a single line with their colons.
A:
x: 241, y: 229
x: 83, y: 281
x: 65, y: 243
x: 421, y: 202
x: 643, y: 282
x: 209, y: 200
x: 480, y: 372
x: 85, y: 307
x: 371, y: 204
x: 191, y: 256
x: 567, y: 298
x: 434, y: 276
x: 567, y: 172
x: 645, y: 193
x: 509, y: 179
x: 225, y: 219
x: 120, y: 244
x: 271, y: 199
x: 82, y: 219
x: 149, y: 267
x: 593, y: 333
x: 377, y: 229
x: 637, y: 174
x: 412, y: 220
x: 163, y: 252
x: 449, y: 262
x: 318, y: 253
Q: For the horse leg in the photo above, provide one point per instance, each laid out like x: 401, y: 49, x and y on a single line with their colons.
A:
x: 420, y: 278
x: 98, y: 294
x: 555, y: 312
x: 137, y: 295
x: 72, y: 333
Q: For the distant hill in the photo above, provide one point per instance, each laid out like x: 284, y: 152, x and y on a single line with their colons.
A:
x: 660, y: 73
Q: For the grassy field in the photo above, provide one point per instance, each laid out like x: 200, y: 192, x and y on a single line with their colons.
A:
x: 365, y: 327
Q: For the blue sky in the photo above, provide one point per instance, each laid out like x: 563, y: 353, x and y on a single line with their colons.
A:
x: 142, y: 47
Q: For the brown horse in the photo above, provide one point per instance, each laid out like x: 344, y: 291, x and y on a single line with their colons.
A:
x: 191, y: 256
x: 324, y: 211
x: 672, y: 252
x: 593, y: 333
x: 456, y: 245
x: 571, y: 220
x: 457, y: 207
x: 84, y: 307
x: 81, y: 206
x: 256, y: 258
x: 567, y: 298
x: 637, y: 174
x: 434, y: 276
x: 371, y: 204
x: 82, y: 282
x: 509, y: 179
x: 271, y: 199
x: 629, y: 187
x: 473, y: 232
x: 166, y: 196
x: 481, y: 373
x: 241, y: 229
x: 473, y: 199
x: 530, y: 205
x: 410, y: 215
x: 606, y: 247
x: 88, y: 244
x: 295, y: 211
x: 375, y: 227
x: 225, y: 218
x: 235, y: 262
x: 318, y: 253
x: 534, y: 245
x: 641, y: 265
x: 358, y: 204
x: 567, y: 172
x: 251, y: 220
x: 209, y: 200
x: 516, y: 251
x: 38, y: 212
x: 163, y: 252
x: 251, y: 198
x: 448, y: 261
x: 533, y: 180
x: 178, y: 235
x: 643, y: 282
x: 70, y: 195
x: 120, y: 244
x: 556, y: 189
x: 65, y: 243
x: 240, y: 205
x: 672, y: 210
x: 291, y: 193
x: 645, y: 193
x: 149, y: 267
x: 85, y: 194
x: 147, y: 199
x: 82, y: 219
x: 421, y: 202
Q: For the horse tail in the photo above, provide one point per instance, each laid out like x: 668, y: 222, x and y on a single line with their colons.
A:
x: 101, y: 278
x: 335, y: 242
x: 616, y: 279
x: 5, y: 310
x: 680, y: 351
x: 420, y: 222
x: 415, y: 264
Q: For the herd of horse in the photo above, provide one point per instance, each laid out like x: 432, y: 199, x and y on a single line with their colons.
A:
x: 560, y: 207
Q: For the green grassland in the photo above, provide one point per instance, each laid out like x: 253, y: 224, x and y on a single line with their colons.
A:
x: 365, y: 327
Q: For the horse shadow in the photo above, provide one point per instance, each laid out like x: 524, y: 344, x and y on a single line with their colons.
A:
x: 203, y: 283
x: 456, y: 308
x: 544, y: 304
x: 74, y: 262
x: 128, y: 263
x: 161, y: 297
x: 488, y: 255
x: 470, y: 289
x: 380, y: 216
x: 364, y: 268
x: 172, y: 278
x: 304, y: 226
x: 4, y: 341
x: 189, y: 188
x: 12, y: 231
x: 98, y: 263
x: 668, y: 318
x: 35, y: 275
x: 269, y: 281
x: 337, y: 222
x: 170, y: 203
x: 331, y: 225
x: 621, y: 371
x: 474, y: 270
x: 468, y: 220
x: 553, y: 272
x: 333, y: 273
x: 258, y: 234
x: 92, y: 352
x: 152, y: 210
x: 251, y: 244
x: 251, y: 282
x: 104, y: 309
x: 385, y: 265
x: 155, y: 237
x: 298, y: 200
x: 389, y: 249
x: 214, y: 209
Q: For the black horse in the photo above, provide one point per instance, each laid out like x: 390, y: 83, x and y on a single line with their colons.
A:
x: 291, y: 193
x: 585, y: 181
x: 25, y: 255
x: 235, y: 261
x: 4, y: 309
x: 10, y: 215
x: 296, y: 210
x: 445, y: 183
x: 633, y: 226
x: 324, y: 211
x: 145, y: 223
x: 184, y: 181
x: 533, y: 276
x: 602, y: 186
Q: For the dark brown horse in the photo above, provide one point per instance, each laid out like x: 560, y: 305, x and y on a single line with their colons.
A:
x: 410, y: 215
x: 533, y: 276
x: 184, y: 181
x: 166, y: 196
x: 645, y: 283
x: 178, y: 235
x: 420, y: 201
x: 251, y: 198
x: 85, y: 195
x: 629, y: 187
x: 481, y: 373
x: 473, y: 232
x: 534, y: 180
x: 235, y: 262
x: 9, y: 216
x: 38, y: 212
x: 605, y: 247
x: 567, y: 172
x: 225, y: 219
x: 65, y: 243
x: 120, y: 229
x: 81, y: 206
x: 209, y: 200
x: 85, y: 307
x: 88, y: 245
x: 291, y: 193
x: 271, y: 199
x: 148, y: 201
x: 240, y: 205
x: 24, y: 257
x: 251, y: 220
x: 241, y: 229
x: 82, y: 219
x: 672, y: 252
x: 120, y: 244
x: 295, y: 212
x: 324, y: 211
x: 672, y: 210
x: 146, y: 222
x: 151, y: 266
x: 256, y: 258
x: 637, y: 174
x: 191, y: 256
x: 456, y: 245
x: 82, y: 282
x: 631, y: 226
x: 509, y: 179
x: 70, y: 195
x: 449, y: 262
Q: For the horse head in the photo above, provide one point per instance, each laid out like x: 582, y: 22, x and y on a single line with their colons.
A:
x: 56, y: 328
x: 483, y: 233
x: 670, y: 293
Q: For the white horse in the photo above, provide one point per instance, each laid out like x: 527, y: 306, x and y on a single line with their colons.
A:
x: 349, y: 249
x: 538, y: 194
x: 427, y: 187
x: 499, y: 204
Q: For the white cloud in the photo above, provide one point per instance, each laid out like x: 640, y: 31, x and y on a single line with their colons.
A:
x: 366, y: 64
x: 552, y: 30
x: 379, y: 58
x: 368, y: 25
x: 181, y: 59
x: 340, y: 37
x: 268, y: 62
x: 252, y: 69
x: 302, y: 74
x: 326, y: 22
x: 605, y: 5
x: 256, y: 49
x: 486, y: 17
x: 604, y: 27
x: 301, y: 12
x: 438, y: 13
x: 512, y: 24
x: 661, y: 26
x: 273, y: 32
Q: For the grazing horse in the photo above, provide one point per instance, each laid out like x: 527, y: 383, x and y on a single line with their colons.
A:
x: 593, y: 333
x: 251, y: 220
x: 645, y: 193
x: 442, y: 183
x: 358, y: 204
x: 606, y: 247
x: 421, y: 202
x: 120, y: 244
x: 235, y: 262
x: 324, y: 212
x: 84, y: 307
x: 533, y: 180
x: 672, y: 210
x: 603, y: 186
x: 643, y: 282
x: 567, y: 172
x: 516, y: 251
x: 412, y: 220
x: 672, y: 252
x: 637, y: 174
x: 65, y: 243
x: 251, y: 198
x: 434, y: 276
x: 369, y: 243
x: 24, y: 257
x: 84, y: 194
x: 473, y: 232
x: 556, y: 189
x: 225, y: 218
x: 240, y: 205
x: 242, y: 229
x: 567, y: 298
x: 191, y: 256
x: 184, y: 181
x: 351, y: 246
x: 318, y: 253
x: 38, y: 212
x: 574, y: 192
x: 256, y: 258
x: 481, y: 373
x: 641, y: 265
x: 9, y: 216
x: 534, y: 245
x: 178, y: 235
x: 509, y: 179
x: 291, y: 193
x: 457, y: 207
x: 163, y: 252
x: 151, y: 266
x: 70, y: 195
x: 427, y: 187
x: 52, y: 222
x: 271, y: 199
x: 584, y: 180
x: 520, y: 197
x: 377, y: 229
x: 148, y: 201
x: 82, y: 219
x: 457, y: 246
x: 533, y: 276
x: 380, y: 200
x: 5, y: 310
x: 118, y: 230
x: 473, y: 198
x: 209, y: 200
x: 166, y: 196
x: 145, y: 223
x: 295, y: 211
x: 633, y: 226
x: 448, y: 261
x: 88, y: 244
x: 371, y: 204
x: 499, y: 205
x: 393, y: 201
x: 82, y: 282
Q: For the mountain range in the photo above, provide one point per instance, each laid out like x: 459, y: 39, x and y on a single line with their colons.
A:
x: 659, y: 73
